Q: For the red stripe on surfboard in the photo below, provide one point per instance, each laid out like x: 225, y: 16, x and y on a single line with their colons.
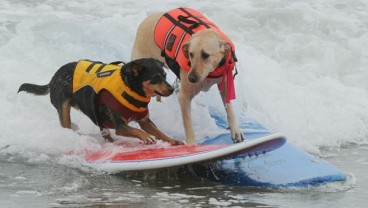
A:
x: 151, y: 154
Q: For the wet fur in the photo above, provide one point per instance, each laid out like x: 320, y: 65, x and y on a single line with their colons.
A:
x: 143, y: 76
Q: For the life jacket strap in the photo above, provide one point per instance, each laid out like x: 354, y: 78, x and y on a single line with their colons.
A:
x: 169, y: 41
x: 137, y: 103
x: 184, y: 19
x: 118, y: 63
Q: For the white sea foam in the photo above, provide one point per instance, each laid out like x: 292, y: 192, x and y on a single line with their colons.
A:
x: 302, y: 68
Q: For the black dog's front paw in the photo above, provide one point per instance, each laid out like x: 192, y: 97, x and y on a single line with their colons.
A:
x: 74, y: 127
x: 149, y: 140
x: 106, y: 135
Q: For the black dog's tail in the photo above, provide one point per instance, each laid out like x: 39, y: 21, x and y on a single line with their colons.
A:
x: 35, y: 89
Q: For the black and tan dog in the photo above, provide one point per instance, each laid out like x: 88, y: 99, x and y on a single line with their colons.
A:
x: 111, y: 95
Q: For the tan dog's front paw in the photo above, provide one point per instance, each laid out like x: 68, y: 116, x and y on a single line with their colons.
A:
x: 237, y: 135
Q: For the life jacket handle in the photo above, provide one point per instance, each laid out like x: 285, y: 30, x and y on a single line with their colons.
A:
x: 184, y: 19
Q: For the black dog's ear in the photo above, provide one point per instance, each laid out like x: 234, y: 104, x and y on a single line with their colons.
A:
x: 136, y: 69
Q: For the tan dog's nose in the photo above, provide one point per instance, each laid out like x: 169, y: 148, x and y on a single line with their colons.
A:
x: 193, y: 78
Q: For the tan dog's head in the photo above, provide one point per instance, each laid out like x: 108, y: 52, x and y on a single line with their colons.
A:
x: 205, y: 50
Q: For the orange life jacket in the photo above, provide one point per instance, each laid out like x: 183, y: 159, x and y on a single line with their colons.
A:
x: 172, y: 31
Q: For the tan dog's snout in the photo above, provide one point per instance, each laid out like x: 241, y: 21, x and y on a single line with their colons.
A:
x: 193, y: 76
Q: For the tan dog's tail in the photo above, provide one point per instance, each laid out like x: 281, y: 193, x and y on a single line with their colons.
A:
x: 35, y: 89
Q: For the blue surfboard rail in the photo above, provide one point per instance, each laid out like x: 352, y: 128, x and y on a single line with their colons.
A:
x: 287, y: 166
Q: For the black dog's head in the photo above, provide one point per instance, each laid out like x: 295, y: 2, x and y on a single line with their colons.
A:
x: 146, y: 77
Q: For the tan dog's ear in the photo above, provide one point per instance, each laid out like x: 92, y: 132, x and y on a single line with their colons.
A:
x: 185, y: 49
x: 136, y: 69
x: 225, y: 48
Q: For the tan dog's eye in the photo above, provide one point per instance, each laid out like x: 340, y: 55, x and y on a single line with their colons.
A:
x: 191, y: 55
x: 204, y: 55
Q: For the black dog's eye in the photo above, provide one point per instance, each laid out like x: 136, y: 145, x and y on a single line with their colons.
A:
x: 157, y: 79
x: 205, y: 55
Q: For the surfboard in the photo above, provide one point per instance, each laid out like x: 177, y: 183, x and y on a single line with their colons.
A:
x: 125, y: 156
x: 287, y: 166
x: 275, y: 163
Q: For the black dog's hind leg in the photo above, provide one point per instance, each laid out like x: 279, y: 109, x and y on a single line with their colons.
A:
x: 64, y: 114
x: 61, y: 94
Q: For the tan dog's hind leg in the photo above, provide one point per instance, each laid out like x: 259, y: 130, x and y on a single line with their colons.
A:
x: 64, y: 114
x: 144, y: 45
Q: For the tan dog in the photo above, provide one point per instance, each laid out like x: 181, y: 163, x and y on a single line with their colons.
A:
x: 207, y: 50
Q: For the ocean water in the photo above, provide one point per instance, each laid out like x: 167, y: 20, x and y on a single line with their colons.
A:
x: 302, y: 71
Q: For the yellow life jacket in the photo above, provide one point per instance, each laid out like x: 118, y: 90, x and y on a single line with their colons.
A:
x: 101, y: 76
